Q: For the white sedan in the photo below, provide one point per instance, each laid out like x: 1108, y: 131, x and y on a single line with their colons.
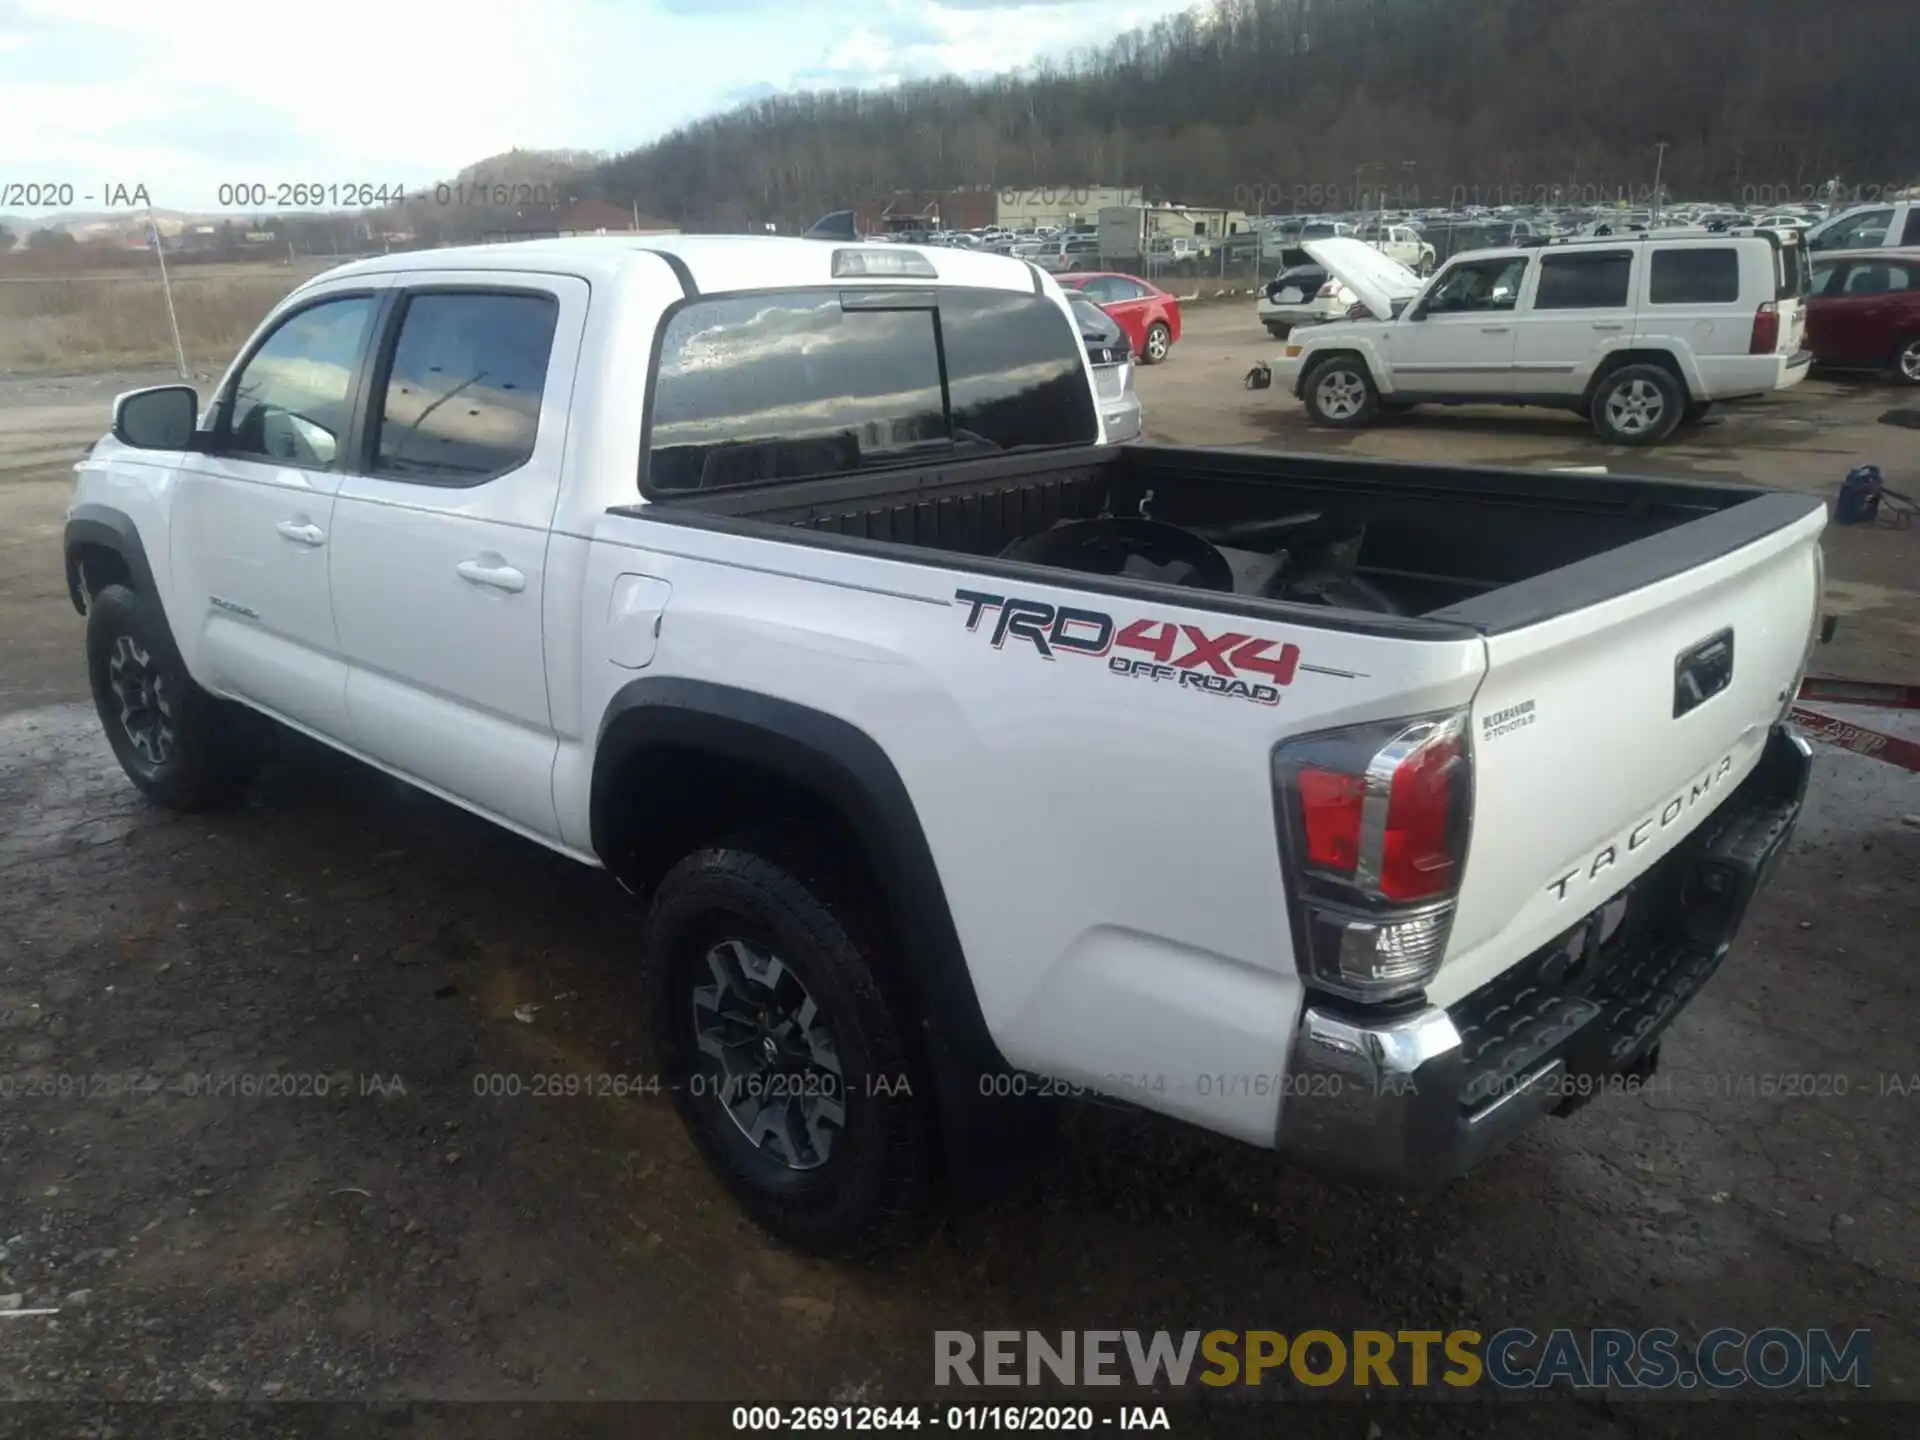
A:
x: 1302, y: 295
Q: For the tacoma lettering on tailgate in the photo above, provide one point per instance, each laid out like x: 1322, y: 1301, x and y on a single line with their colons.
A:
x: 1647, y: 829
x: 1243, y: 667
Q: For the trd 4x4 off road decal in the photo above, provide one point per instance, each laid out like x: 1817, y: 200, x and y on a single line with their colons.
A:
x: 1241, y: 666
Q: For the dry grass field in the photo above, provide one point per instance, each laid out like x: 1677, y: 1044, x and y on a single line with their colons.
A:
x: 79, y: 324
x: 117, y: 320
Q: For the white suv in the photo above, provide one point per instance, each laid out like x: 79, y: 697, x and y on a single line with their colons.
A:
x: 1637, y: 332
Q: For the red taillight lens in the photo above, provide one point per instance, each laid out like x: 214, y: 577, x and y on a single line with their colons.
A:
x: 1330, y: 809
x: 1766, y: 330
x: 1416, y: 860
x: 1374, y: 827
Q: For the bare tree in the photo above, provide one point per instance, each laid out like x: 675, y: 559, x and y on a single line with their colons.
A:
x: 1290, y: 97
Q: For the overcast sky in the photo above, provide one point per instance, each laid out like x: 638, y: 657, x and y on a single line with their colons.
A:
x: 182, y: 95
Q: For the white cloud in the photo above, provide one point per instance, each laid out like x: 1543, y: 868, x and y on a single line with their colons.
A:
x: 184, y: 95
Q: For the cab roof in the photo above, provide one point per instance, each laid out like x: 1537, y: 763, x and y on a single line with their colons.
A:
x: 712, y: 263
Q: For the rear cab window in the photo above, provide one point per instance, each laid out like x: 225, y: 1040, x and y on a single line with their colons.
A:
x: 760, y: 388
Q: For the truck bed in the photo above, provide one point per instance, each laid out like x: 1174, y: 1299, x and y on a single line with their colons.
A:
x: 1485, y: 549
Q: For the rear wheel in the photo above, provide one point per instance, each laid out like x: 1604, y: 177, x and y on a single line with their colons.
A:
x: 1638, y: 405
x: 182, y: 748
x: 792, y: 1064
x: 1159, y: 341
x: 1339, y: 392
x: 1906, y: 364
x: 1277, y: 330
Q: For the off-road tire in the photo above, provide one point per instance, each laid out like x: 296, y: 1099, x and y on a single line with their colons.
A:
x: 780, y: 890
x: 1649, y: 397
x: 1350, y: 374
x: 208, y: 750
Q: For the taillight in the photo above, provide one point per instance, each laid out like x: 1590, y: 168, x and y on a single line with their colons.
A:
x: 1766, y: 330
x: 1814, y: 630
x: 1374, y: 821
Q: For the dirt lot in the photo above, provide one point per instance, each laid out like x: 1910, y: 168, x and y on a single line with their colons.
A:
x: 402, y: 1237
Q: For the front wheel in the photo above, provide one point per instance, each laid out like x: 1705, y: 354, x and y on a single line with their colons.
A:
x: 1906, y: 364
x: 1340, y: 393
x: 1159, y: 342
x: 1638, y: 405
x: 181, y: 747
x: 791, y: 1057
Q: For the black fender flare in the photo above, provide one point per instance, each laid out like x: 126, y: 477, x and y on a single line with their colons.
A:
x: 113, y: 530
x: 847, y: 768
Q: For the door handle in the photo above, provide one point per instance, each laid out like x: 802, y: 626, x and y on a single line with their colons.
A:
x: 304, y: 534
x: 1608, y: 325
x: 499, y: 577
x: 1493, y: 329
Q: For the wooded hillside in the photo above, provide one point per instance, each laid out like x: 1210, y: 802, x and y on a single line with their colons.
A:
x: 1258, y: 102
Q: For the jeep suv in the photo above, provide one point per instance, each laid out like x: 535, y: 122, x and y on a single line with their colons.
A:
x: 1637, y: 332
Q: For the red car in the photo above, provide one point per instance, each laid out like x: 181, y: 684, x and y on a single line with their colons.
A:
x: 1864, y: 311
x: 1149, y: 315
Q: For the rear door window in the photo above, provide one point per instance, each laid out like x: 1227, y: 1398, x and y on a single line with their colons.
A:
x: 1877, y: 277
x: 1911, y: 235
x: 1704, y: 275
x: 1584, y: 281
x: 462, y: 399
x: 763, y: 388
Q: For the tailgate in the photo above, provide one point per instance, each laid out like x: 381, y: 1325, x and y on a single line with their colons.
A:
x: 1607, y: 730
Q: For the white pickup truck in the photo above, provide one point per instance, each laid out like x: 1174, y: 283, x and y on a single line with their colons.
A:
x: 1363, y: 810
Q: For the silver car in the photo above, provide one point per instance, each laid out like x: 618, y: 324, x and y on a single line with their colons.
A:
x: 1111, y: 355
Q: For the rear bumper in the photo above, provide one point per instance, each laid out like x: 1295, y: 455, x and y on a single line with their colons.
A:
x: 1122, y: 420
x: 1423, y: 1096
x: 1795, y: 368
x: 1304, y: 312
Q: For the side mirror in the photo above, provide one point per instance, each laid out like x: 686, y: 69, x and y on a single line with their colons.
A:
x: 165, y: 417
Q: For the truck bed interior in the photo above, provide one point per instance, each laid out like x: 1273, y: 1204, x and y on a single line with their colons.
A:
x: 1486, y: 548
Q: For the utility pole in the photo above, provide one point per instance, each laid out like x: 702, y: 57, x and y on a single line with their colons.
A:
x: 1659, y: 165
x: 166, y: 285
